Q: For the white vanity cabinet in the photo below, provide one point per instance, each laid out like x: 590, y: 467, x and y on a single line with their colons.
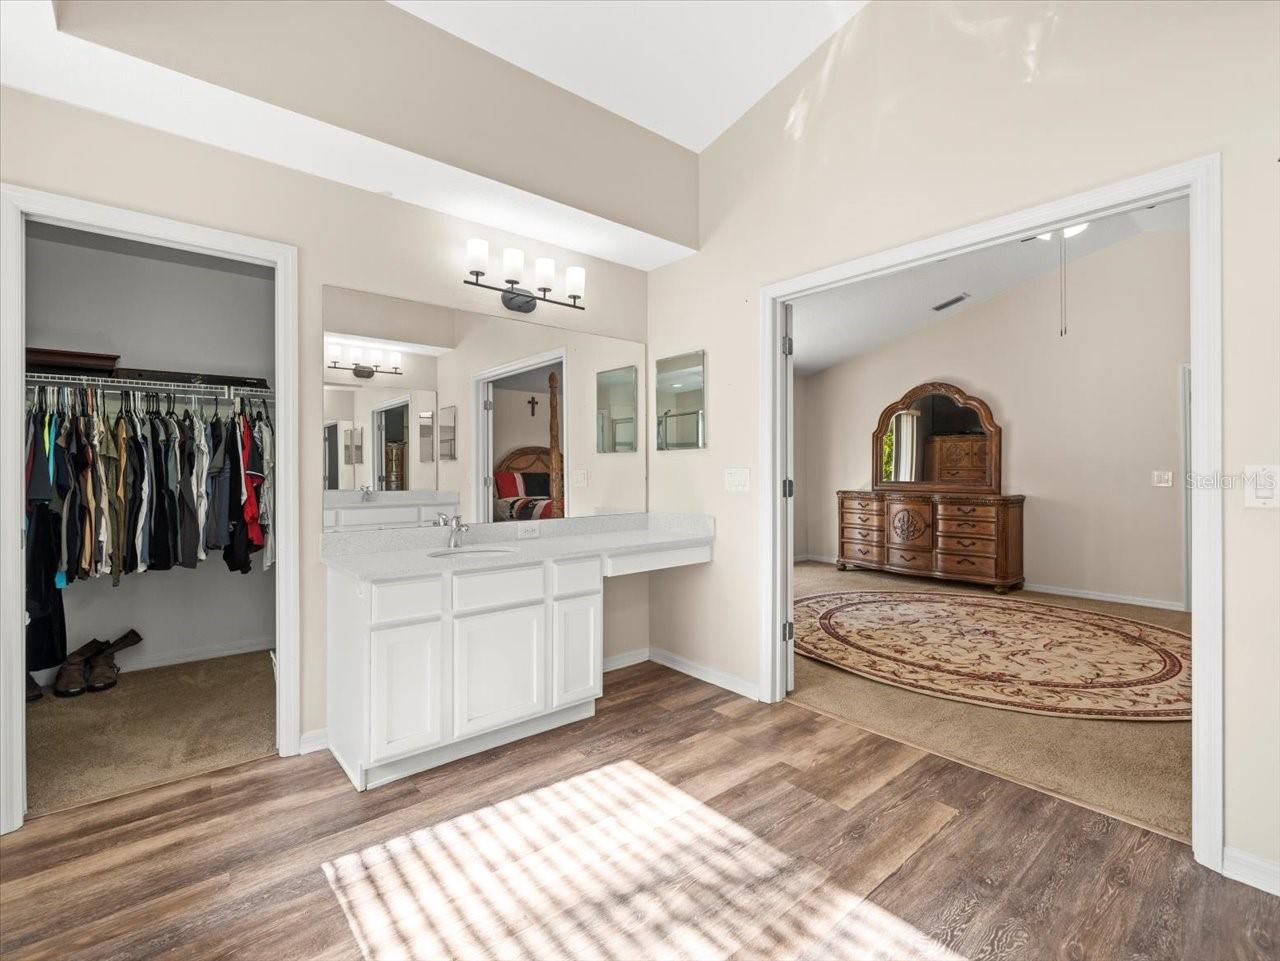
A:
x: 425, y: 670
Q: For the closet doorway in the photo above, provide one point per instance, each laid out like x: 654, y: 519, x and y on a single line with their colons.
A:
x: 390, y: 432
x: 28, y: 217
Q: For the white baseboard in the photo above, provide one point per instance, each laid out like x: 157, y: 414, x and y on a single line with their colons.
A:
x: 1112, y: 598
x: 140, y: 658
x: 709, y: 674
x: 1251, y: 870
x: 816, y: 558
x: 312, y: 741
x: 626, y: 659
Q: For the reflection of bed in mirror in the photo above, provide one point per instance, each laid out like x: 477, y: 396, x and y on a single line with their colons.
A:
x: 528, y: 482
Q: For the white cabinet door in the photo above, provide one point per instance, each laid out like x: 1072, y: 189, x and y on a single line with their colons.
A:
x: 499, y: 668
x: 407, y: 701
x: 577, y: 650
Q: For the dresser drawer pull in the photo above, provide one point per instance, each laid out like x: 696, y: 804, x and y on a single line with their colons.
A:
x: 965, y: 560
x: 905, y: 556
x: 864, y: 551
x: 969, y: 524
x: 864, y: 518
x: 965, y: 510
x: 967, y: 543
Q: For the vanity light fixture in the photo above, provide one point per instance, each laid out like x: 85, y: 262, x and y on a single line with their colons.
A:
x: 515, y: 297
x: 358, y: 367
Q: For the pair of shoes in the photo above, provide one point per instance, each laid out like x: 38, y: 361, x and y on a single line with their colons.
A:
x: 33, y: 690
x: 92, y: 667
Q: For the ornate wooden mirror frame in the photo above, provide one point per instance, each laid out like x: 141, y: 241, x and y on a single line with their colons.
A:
x: 990, y: 485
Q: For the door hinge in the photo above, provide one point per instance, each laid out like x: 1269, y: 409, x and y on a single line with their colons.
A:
x: 486, y: 480
x: 788, y: 346
x: 788, y: 487
x: 488, y: 405
x: 788, y: 631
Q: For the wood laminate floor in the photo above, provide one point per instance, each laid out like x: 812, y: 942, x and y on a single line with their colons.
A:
x: 681, y: 820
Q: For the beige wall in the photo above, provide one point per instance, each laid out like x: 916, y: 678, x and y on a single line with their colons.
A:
x: 918, y: 118
x: 374, y: 69
x: 512, y: 425
x: 345, y: 237
x: 1085, y: 418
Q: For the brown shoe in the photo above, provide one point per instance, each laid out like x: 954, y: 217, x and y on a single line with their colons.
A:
x: 70, y: 681
x: 102, y: 665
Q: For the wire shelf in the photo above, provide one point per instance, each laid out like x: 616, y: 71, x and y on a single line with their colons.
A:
x: 120, y: 385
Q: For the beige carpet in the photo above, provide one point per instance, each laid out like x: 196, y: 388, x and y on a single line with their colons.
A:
x: 154, y: 726
x: 1137, y: 771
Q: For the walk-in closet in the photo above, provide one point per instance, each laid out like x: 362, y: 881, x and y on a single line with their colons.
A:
x: 149, y: 491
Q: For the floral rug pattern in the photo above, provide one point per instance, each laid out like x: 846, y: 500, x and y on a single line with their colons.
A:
x: 1002, y: 652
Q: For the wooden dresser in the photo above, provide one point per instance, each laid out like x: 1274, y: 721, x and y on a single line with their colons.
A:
x: 958, y: 537
x: 935, y: 507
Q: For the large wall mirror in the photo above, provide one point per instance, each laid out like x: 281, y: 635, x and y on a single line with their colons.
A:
x: 617, y: 412
x: 937, y: 438
x: 493, y: 418
x: 680, y: 401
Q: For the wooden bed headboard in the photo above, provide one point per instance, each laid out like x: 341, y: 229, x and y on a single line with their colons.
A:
x: 546, y: 460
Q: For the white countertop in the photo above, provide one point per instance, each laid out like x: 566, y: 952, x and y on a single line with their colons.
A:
x: 398, y: 554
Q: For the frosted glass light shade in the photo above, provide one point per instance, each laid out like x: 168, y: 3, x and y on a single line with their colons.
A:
x: 477, y: 256
x: 355, y: 354
x: 394, y: 359
x: 375, y: 357
x: 335, y: 352
x: 513, y: 265
x: 544, y: 273
x: 575, y: 282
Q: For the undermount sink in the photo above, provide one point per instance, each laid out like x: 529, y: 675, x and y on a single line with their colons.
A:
x: 472, y: 551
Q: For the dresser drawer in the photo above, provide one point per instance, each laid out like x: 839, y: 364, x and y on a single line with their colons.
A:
x: 961, y: 544
x: 862, y: 505
x: 862, y: 535
x: 962, y: 525
x: 966, y: 565
x: 909, y: 559
x: 863, y: 554
x: 984, y: 512
x: 962, y: 474
x: 862, y: 518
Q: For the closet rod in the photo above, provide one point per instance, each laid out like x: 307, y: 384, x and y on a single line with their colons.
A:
x: 120, y: 385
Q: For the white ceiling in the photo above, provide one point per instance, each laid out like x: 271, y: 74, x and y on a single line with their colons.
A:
x: 685, y: 70
x: 836, y: 325
x: 35, y: 57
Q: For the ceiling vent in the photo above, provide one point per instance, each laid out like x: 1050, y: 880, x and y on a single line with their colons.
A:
x: 952, y: 302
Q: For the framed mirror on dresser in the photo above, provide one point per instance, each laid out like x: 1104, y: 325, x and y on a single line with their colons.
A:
x: 935, y: 508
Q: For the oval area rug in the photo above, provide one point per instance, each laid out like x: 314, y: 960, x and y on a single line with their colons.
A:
x: 1002, y: 652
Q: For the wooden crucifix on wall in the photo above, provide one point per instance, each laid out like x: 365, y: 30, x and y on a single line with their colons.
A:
x: 533, y: 404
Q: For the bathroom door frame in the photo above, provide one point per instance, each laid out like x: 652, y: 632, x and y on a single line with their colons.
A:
x: 17, y: 206
x: 1200, y: 181
x: 377, y: 430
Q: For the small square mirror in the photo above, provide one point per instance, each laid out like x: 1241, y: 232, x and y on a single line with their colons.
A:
x: 616, y: 408
x: 680, y: 395
x: 449, y: 433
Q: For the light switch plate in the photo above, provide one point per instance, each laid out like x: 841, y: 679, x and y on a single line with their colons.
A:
x: 1162, y: 478
x: 737, y: 479
x: 1262, y: 486
x: 579, y: 477
x: 526, y: 529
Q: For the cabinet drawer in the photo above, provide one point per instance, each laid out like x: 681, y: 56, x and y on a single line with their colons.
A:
x: 985, y: 512
x: 910, y: 525
x: 862, y: 518
x: 862, y: 535
x: 576, y: 577
x: 908, y: 559
x: 863, y: 505
x: 960, y: 544
x: 962, y: 525
x: 402, y: 600
x: 491, y: 588
x: 962, y: 474
x: 965, y: 564
x: 862, y: 553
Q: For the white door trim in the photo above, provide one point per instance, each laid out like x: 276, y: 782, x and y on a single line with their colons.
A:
x: 1200, y: 180
x: 17, y: 205
x: 482, y: 453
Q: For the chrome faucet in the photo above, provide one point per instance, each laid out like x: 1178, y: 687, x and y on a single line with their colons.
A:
x: 442, y: 520
x: 456, y: 530
x: 366, y: 494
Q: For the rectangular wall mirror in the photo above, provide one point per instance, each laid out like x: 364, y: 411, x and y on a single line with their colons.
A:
x: 492, y: 418
x: 680, y: 405
x: 616, y: 411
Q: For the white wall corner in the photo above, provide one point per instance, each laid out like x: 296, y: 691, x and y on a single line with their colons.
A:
x: 626, y: 659
x: 1251, y: 870
x: 312, y: 741
x: 729, y: 682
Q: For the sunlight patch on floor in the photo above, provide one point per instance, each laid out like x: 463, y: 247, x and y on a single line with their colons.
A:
x: 613, y: 863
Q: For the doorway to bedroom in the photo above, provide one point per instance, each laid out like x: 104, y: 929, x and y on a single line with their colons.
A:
x: 521, y: 453
x: 990, y: 522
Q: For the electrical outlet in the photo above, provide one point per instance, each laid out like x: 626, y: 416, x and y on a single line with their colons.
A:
x: 1262, y: 486
x: 526, y: 529
x: 737, y: 479
x: 1162, y: 478
x: 579, y: 477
